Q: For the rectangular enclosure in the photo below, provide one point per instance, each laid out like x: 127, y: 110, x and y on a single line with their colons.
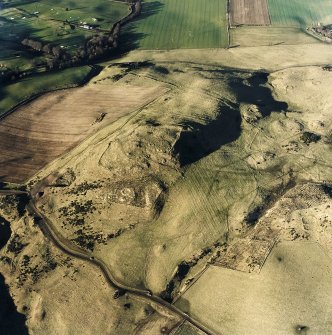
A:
x: 249, y: 12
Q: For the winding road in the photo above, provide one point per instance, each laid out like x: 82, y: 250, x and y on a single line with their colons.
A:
x: 51, y: 233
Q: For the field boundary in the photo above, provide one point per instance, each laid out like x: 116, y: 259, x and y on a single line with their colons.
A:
x: 50, y: 145
x: 197, y: 277
x: 95, y: 70
x: 265, y: 33
x: 228, y: 18
x: 235, y: 9
x: 114, y: 32
x: 92, y: 138
x: 188, y: 30
x: 268, y: 11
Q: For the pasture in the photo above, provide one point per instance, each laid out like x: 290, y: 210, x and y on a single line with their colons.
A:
x: 251, y: 36
x: 249, y: 12
x: 300, y: 13
x: 292, y: 290
x: 44, y: 129
x: 21, y: 25
x: 49, y: 22
x: 102, y: 13
x: 172, y: 24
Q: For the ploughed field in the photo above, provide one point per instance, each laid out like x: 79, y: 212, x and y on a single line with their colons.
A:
x: 274, y: 22
x: 295, y: 13
x: 249, y: 12
x: 47, y: 127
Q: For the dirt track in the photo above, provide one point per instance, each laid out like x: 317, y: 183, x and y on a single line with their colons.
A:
x: 44, y: 129
x: 249, y: 12
x: 68, y: 248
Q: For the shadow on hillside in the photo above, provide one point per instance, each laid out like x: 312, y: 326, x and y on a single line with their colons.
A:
x: 11, y: 321
x: 131, y: 36
x: 199, y: 140
x: 255, y: 91
x: 14, y: 3
x: 129, y: 40
x: 148, y: 9
x: 5, y: 232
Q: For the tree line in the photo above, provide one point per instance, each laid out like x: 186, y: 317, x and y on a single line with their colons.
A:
x: 94, y: 46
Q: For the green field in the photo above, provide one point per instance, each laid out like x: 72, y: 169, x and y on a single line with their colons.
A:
x: 43, y: 20
x: 289, y: 20
x: 15, y: 93
x: 300, y: 13
x: 106, y: 12
x: 172, y: 24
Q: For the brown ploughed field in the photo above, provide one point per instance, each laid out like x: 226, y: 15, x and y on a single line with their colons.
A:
x: 47, y: 127
x: 249, y: 12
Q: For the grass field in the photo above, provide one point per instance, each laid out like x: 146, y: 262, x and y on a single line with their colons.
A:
x: 172, y: 24
x: 43, y: 20
x: 15, y: 93
x: 291, y: 291
x: 105, y: 12
x: 267, y: 36
x: 300, y: 13
x: 40, y: 28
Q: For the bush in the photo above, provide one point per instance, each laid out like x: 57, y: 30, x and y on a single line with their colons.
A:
x: 308, y: 137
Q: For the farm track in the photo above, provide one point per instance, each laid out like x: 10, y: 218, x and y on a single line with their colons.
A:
x: 52, y: 234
